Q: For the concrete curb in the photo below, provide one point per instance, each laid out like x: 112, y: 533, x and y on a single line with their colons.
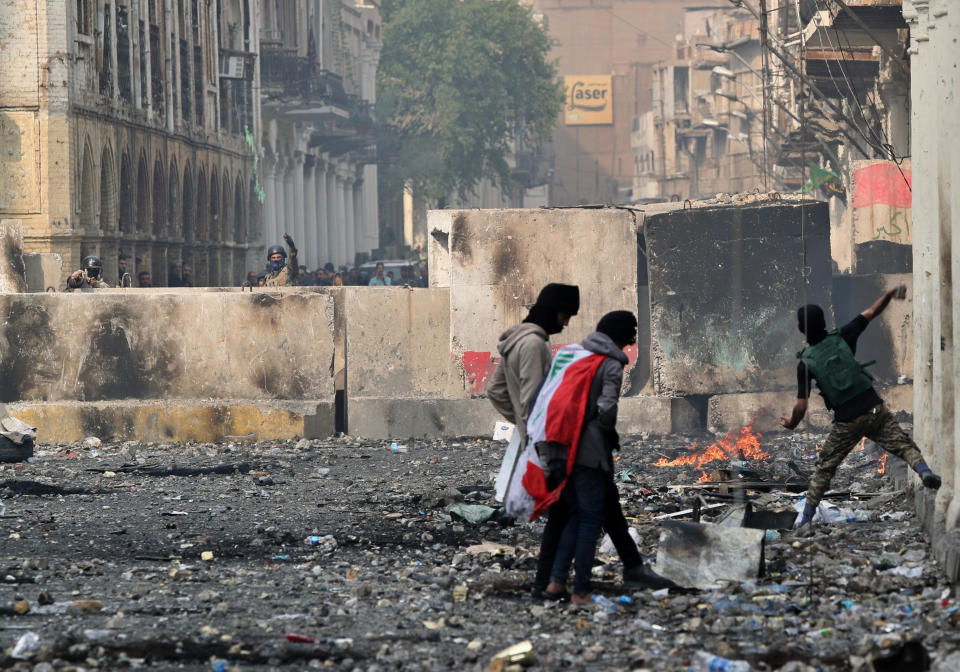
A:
x: 177, y: 421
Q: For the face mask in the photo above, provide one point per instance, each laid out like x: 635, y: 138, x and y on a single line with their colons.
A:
x: 276, y: 264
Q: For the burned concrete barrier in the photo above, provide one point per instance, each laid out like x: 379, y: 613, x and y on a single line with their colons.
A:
x: 169, y: 364
x: 725, y: 282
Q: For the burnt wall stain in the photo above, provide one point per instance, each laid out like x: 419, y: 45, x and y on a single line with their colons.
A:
x: 280, y: 382
x: 12, y: 256
x: 437, y: 421
x: 107, y: 424
x: 23, y: 361
x: 505, y: 258
x: 460, y: 239
x: 113, y: 369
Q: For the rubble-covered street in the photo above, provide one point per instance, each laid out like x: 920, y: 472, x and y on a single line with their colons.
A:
x: 355, y: 555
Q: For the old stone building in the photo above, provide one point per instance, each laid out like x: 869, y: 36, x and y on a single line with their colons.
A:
x: 318, y: 69
x: 126, y: 128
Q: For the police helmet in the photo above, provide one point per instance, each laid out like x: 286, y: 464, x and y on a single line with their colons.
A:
x: 92, y: 265
x: 276, y: 249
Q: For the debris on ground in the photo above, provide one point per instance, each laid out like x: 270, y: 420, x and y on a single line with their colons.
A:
x: 258, y: 565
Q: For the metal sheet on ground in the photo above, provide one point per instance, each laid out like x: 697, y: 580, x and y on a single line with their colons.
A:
x: 698, y: 555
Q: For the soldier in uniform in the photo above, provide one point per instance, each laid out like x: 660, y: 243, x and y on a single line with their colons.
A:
x: 283, y: 269
x: 847, y: 390
x: 89, y: 275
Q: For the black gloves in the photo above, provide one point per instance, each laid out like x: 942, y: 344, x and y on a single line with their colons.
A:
x: 556, y: 472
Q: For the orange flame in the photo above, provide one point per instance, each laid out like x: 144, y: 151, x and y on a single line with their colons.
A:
x: 882, y: 468
x: 863, y: 443
x: 704, y: 476
x: 737, y: 442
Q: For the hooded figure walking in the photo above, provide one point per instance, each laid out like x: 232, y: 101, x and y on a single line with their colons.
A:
x: 848, y: 391
x: 525, y: 358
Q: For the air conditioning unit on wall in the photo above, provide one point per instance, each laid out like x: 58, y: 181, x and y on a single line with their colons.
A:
x: 232, y: 67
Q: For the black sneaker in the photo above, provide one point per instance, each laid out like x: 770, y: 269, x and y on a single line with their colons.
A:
x: 641, y: 576
x: 931, y: 480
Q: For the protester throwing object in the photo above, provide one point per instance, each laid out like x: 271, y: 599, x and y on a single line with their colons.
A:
x: 848, y: 391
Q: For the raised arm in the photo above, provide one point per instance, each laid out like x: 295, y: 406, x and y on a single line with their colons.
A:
x: 881, y: 304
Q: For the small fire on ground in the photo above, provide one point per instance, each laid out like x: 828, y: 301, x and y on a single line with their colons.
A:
x: 882, y: 464
x: 737, y: 444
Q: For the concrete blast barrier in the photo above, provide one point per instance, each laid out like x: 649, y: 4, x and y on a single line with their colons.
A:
x: 725, y: 283
x: 496, y: 261
x: 157, y: 353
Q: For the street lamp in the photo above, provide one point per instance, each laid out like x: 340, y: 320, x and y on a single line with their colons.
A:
x: 730, y: 48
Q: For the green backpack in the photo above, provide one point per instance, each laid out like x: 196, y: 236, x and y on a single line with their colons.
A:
x: 839, y: 375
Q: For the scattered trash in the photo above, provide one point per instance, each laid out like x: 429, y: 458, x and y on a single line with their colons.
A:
x: 326, y: 543
x: 410, y: 575
x: 90, y: 443
x: 219, y: 665
x: 398, y: 448
x: 302, y: 639
x: 491, y: 548
x: 26, y: 646
x: 518, y: 654
x: 503, y: 431
x: 607, y: 547
x: 206, y: 556
x: 707, y: 662
x: 472, y: 513
x: 606, y: 604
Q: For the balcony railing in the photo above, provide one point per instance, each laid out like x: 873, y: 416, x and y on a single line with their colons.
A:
x: 283, y: 72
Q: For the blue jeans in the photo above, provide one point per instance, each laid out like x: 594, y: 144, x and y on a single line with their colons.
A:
x: 585, y: 495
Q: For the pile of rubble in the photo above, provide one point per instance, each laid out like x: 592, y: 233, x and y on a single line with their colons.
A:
x: 362, y: 555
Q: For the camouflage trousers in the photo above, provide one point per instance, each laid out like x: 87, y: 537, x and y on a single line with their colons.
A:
x: 879, y: 426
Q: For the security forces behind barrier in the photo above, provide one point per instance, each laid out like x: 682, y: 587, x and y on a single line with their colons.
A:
x: 282, y: 269
x: 89, y: 275
x: 847, y: 390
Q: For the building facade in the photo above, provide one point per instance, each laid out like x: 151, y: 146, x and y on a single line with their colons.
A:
x: 318, y: 88
x: 126, y: 133
x: 935, y: 141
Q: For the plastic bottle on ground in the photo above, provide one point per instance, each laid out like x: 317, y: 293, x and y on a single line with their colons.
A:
x: 704, y: 661
x: 605, y: 603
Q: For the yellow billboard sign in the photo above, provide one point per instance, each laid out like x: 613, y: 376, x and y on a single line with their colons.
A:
x: 589, y: 100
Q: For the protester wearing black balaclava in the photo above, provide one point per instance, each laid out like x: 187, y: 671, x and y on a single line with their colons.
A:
x: 811, y: 323
x: 848, y: 391
x: 555, y: 305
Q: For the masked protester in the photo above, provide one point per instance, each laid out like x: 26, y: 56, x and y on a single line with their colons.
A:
x: 847, y: 390
x: 90, y: 275
x: 590, y: 495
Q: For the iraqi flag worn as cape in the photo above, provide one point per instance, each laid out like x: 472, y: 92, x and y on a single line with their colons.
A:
x: 557, y: 417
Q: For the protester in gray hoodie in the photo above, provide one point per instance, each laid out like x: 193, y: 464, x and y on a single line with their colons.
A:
x: 525, y: 354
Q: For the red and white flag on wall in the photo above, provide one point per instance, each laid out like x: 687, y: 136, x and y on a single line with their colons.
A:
x: 557, y: 417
